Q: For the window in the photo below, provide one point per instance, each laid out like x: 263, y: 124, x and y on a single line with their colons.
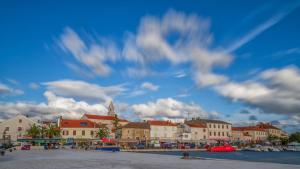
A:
x: 83, y: 132
x: 219, y: 134
x: 63, y: 132
x: 186, y: 136
x: 6, y: 128
x: 214, y: 133
x: 19, y: 128
x: 204, y: 130
x: 67, y: 132
x: 222, y: 133
x: 20, y: 120
x: 209, y: 125
x: 209, y: 133
x: 222, y: 126
x: 196, y: 132
x: 128, y: 131
x: 92, y: 133
x: 83, y: 124
x: 204, y: 137
x: 227, y: 126
x: 74, y: 132
x: 214, y: 126
x: 218, y: 126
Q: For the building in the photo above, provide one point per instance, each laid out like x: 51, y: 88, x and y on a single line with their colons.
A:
x: 135, y: 133
x: 78, y: 129
x: 217, y: 129
x: 238, y: 134
x: 164, y: 131
x: 16, y: 127
x: 257, y: 134
x: 271, y: 130
x: 192, y: 132
x: 108, y: 120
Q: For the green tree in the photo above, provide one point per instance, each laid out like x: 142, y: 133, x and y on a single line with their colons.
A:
x: 52, y: 131
x: 102, y: 132
x: 295, y: 137
x: 34, y: 131
x: 116, y: 122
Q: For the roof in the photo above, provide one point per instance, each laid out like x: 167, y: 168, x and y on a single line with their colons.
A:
x: 198, y: 120
x: 70, y: 123
x: 247, y: 128
x: 196, y: 125
x: 100, y: 117
x: 138, y: 125
x: 160, y: 123
x: 267, y: 126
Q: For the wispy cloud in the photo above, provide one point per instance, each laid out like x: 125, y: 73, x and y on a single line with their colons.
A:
x: 263, y: 27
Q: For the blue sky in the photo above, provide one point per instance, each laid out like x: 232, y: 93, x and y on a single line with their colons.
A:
x: 155, y: 59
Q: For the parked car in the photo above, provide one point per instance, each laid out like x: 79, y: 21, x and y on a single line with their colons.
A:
x: 25, y: 147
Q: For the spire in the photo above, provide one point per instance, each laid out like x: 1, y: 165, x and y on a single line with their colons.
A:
x: 111, y: 109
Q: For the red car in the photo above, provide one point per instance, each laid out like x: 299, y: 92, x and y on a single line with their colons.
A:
x: 25, y: 147
x: 224, y: 148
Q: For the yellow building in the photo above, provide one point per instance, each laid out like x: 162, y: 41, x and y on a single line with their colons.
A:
x: 270, y: 129
x: 217, y: 129
x: 249, y: 133
x: 78, y: 129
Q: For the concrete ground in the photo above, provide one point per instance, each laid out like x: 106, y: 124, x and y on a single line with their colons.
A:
x: 76, y: 159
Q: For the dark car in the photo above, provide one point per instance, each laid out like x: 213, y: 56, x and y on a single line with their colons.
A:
x: 25, y: 147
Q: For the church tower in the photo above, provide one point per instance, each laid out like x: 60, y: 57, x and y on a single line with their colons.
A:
x: 111, y: 109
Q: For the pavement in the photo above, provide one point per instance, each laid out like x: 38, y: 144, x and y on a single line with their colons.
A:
x: 79, y: 159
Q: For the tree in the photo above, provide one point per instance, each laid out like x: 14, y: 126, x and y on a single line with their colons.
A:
x: 295, y: 137
x: 34, y: 131
x: 102, y: 132
x: 116, y: 122
x: 52, y: 131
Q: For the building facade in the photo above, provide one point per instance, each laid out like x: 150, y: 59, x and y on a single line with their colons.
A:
x: 270, y: 129
x: 217, y: 129
x: 162, y: 130
x: 257, y: 134
x: 78, y: 129
x: 16, y: 127
x: 192, y: 132
x: 139, y: 131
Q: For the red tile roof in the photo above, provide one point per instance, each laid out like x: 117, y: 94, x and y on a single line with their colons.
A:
x: 68, y: 123
x: 267, y: 126
x: 100, y: 117
x: 161, y: 123
x: 198, y: 125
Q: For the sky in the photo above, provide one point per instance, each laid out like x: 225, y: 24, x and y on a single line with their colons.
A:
x: 170, y: 60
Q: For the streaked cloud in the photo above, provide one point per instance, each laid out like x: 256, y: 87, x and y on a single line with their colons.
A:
x: 149, y: 86
x: 273, y: 20
x: 85, y: 90
x: 95, y: 56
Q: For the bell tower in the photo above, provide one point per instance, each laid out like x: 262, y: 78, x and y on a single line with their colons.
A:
x: 111, y: 109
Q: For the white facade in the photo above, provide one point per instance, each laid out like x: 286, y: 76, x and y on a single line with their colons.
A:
x: 16, y: 127
x: 158, y: 132
x: 219, y: 131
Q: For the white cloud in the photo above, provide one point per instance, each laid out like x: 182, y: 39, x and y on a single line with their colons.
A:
x: 137, y: 93
x: 149, y: 86
x: 191, y: 45
x: 180, y: 74
x: 56, y: 106
x: 277, y: 91
x: 94, y: 56
x: 168, y: 108
x: 34, y: 86
x: 6, y: 90
x: 81, y: 89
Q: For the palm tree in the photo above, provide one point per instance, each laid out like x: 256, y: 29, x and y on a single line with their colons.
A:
x: 52, y: 131
x: 34, y: 131
x: 102, y: 132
